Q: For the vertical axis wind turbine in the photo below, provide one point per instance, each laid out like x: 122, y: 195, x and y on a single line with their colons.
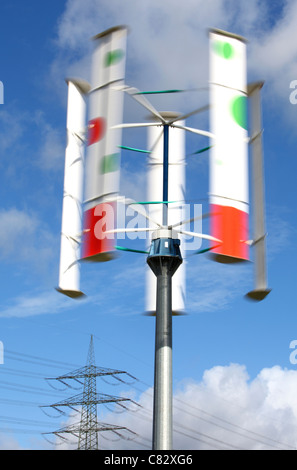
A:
x: 228, y: 199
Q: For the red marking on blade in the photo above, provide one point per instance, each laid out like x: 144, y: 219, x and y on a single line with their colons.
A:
x: 96, y: 130
x: 96, y: 245
x: 231, y: 226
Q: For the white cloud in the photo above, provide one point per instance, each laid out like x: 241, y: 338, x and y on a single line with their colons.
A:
x: 275, y: 48
x: 8, y: 443
x: 133, y: 184
x: 23, y: 238
x: 280, y: 231
x: 52, y: 148
x: 35, y: 304
x: 16, y: 228
x: 50, y: 142
x: 168, y: 44
x: 12, y: 127
x: 159, y: 33
x: 18, y: 129
x: 219, y: 285
x: 226, y: 410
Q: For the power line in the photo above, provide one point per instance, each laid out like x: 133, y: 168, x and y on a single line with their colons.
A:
x: 25, y: 389
x: 144, y: 413
x: 32, y: 422
x: 37, y: 360
x: 53, y: 363
x: 87, y: 430
x: 9, y: 401
x: 257, y: 435
x: 213, y: 416
x: 22, y: 373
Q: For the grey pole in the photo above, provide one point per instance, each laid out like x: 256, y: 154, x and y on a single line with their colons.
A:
x: 164, y: 259
x: 162, y: 429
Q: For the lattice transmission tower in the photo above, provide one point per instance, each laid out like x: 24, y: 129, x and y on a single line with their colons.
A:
x: 88, y: 428
x: 88, y: 436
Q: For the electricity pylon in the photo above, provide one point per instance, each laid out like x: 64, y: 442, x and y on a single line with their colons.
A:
x: 88, y: 428
x: 88, y: 436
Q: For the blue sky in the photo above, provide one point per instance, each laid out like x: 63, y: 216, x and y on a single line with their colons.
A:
x: 231, y: 357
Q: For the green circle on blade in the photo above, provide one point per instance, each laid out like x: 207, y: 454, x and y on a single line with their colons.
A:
x: 224, y: 49
x: 110, y: 163
x: 239, y: 110
x: 227, y: 50
x: 113, y: 57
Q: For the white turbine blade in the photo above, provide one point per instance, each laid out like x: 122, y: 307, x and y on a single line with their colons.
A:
x: 152, y: 146
x: 191, y: 113
x: 106, y: 103
x: 199, y: 235
x: 188, y: 221
x: 136, y: 124
x: 134, y: 93
x: 127, y: 230
x: 69, y: 274
x: 195, y: 131
x: 260, y: 289
x: 140, y: 209
x: 229, y: 185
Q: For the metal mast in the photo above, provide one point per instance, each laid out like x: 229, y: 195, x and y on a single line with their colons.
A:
x: 164, y: 259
